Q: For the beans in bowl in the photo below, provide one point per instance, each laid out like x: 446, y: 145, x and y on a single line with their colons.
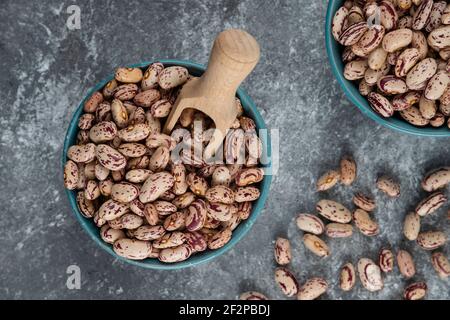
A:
x: 153, y: 195
x: 398, y: 51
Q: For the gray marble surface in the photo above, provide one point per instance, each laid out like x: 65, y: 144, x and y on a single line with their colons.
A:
x: 47, y: 69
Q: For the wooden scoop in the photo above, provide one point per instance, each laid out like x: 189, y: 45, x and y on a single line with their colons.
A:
x: 234, y: 55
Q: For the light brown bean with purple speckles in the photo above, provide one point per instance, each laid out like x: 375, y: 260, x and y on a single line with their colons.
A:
x: 220, y: 239
x: 389, y: 186
x: 109, y: 88
x: 179, y: 173
x: 89, y: 170
x: 406, y: 264
x: 221, y: 194
x: 380, y: 104
x: 111, y: 210
x: 137, y: 207
x: 339, y: 22
x: 119, y: 113
x: 151, y: 214
x: 134, y: 133
x: 150, y: 78
x: 122, y: 179
x: 126, y: 92
x: 282, y: 251
x: 353, y: 33
x: 138, y: 175
x: 386, y: 260
x: 149, y: 233
x: 377, y: 58
x: 161, y: 108
x: 124, y: 192
x: 316, y: 245
x: 415, y: 291
x: 129, y: 221
x: 103, y: 132
x: 128, y: 75
x: 347, y: 170
x: 286, y: 281
x: 431, y: 203
x: 196, y: 215
x: 369, y: 41
x: 221, y: 176
x: 397, y: 39
x: 170, y: 240
x: 365, y: 224
x: 85, y: 206
x: 334, y: 211
x: 101, y: 173
x: 147, y: 98
x: 440, y: 37
x: 347, y: 279
x: 312, y: 289
x: 175, y: 221
x: 328, y: 180
x: 370, y: 275
x: 338, y: 230
x: 391, y: 85
x: 244, y: 209
x: 245, y: 194
x: 155, y: 140
x: 197, y: 184
x: 411, y: 226
x: 155, y: 186
x: 422, y: 14
x: 110, y: 158
x: 92, y: 191
x: 440, y: 264
x: 81, y: 177
x: 364, y: 202
x: 110, y: 235
x: 92, y: 103
x: 218, y: 211
x: 197, y: 241
x: 159, y: 159
x: 177, y: 254
x: 132, y: 249
x: 414, y: 117
x: 355, y: 69
x: 172, y: 77
x: 437, y: 85
x: 421, y: 73
x: 82, y: 154
x: 405, y: 61
x: 86, y: 121
x: 164, y: 207
x: 71, y: 175
x: 106, y: 187
x: 132, y: 150
x: 431, y: 240
x: 183, y: 201
x: 310, y: 223
x: 436, y: 179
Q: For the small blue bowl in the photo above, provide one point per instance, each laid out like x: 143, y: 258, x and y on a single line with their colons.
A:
x: 334, y: 50
x: 238, y: 233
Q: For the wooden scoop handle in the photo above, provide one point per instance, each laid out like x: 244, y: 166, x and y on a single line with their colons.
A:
x: 234, y: 55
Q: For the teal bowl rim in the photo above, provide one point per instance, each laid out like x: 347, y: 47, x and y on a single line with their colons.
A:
x: 353, y: 94
x: 238, y: 233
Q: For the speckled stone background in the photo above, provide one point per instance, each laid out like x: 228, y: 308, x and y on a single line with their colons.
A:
x: 47, y: 69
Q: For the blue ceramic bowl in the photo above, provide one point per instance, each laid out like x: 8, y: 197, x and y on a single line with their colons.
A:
x: 334, y: 50
x: 238, y: 233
